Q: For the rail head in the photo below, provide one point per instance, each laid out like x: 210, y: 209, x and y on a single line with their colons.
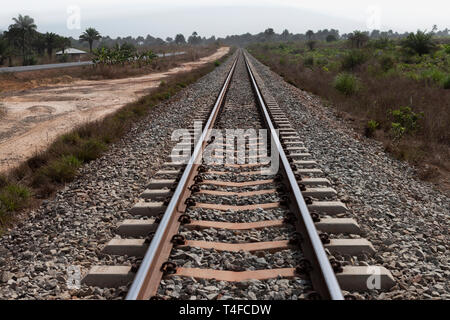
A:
x: 330, y: 285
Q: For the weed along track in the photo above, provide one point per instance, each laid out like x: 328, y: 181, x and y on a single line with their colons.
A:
x: 246, y: 214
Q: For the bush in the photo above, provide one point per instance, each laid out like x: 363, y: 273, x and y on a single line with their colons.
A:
x: 29, y: 61
x: 13, y: 197
x: 371, y: 127
x: 91, y: 150
x: 382, y: 43
x: 346, y: 83
x: 353, y: 59
x: 447, y: 48
x: 331, y: 38
x: 216, y: 63
x: 308, y: 61
x: 63, y: 58
x: 322, y: 61
x: 61, y: 170
x: 446, y: 82
x: 311, y: 44
x: 387, y: 63
x: 404, y: 121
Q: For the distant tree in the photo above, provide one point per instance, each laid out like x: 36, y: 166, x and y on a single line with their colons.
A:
x: 309, y: 34
x: 62, y: 43
x: 179, y: 39
x: 311, y: 44
x: 24, y: 27
x: 3, y: 49
x: 90, y: 35
x: 140, y: 40
x: 285, y: 34
x: 194, y: 39
x: 358, y: 39
x: 420, y: 43
x: 38, y: 43
x: 269, y: 33
x: 169, y: 40
x: 331, y: 38
x: 50, y: 42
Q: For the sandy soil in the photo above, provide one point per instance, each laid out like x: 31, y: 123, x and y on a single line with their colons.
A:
x: 34, y: 118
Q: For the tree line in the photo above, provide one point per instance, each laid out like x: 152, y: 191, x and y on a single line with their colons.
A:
x: 22, y: 40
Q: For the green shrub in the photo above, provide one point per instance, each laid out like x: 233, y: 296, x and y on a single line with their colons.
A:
x: 216, y: 63
x: 382, y: 43
x: 308, y: 61
x: 371, y: 127
x: 404, y: 121
x: 13, y: 197
x: 29, y: 61
x: 346, y: 83
x: 311, y: 44
x: 387, y: 63
x: 446, y: 82
x: 71, y: 138
x: 91, y: 150
x: 353, y: 59
x: 447, y: 48
x: 322, y: 61
x: 331, y: 38
x: 63, y: 169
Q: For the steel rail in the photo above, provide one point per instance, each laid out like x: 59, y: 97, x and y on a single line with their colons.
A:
x: 332, y: 286
x: 136, y: 288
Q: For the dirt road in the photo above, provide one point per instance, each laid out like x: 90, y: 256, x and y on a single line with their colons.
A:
x: 34, y: 118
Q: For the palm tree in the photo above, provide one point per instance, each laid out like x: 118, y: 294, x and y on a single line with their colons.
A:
x: 62, y: 43
x: 358, y: 38
x: 25, y: 26
x: 90, y: 35
x: 420, y: 43
x: 50, y: 42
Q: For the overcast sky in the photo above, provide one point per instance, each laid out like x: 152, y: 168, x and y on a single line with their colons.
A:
x: 226, y: 17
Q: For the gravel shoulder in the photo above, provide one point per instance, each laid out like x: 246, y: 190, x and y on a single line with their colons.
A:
x: 407, y: 220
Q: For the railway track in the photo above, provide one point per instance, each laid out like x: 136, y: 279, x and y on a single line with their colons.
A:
x: 248, y: 206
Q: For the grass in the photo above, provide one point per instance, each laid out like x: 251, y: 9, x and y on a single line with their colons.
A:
x: 346, y: 83
x: 13, y: 197
x: 44, y: 173
x: 368, y: 84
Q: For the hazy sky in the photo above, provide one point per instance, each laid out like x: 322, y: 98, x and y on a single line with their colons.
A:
x: 225, y: 17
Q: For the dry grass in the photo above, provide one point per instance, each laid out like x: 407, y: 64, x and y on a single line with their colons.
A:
x: 40, y: 176
x: 428, y: 146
